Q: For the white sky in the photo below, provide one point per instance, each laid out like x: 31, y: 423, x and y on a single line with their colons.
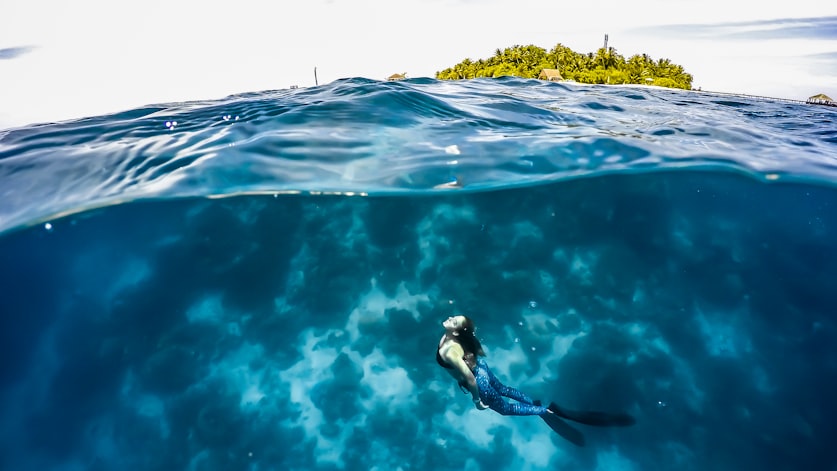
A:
x: 96, y: 56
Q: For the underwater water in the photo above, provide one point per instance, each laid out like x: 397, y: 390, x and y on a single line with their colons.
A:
x: 258, y: 283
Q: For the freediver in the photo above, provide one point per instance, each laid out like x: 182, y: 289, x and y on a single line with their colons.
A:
x: 459, y: 353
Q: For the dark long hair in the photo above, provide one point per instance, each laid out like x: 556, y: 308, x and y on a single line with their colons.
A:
x: 467, y: 338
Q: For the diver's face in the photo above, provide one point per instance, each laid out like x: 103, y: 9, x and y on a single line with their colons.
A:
x: 454, y: 322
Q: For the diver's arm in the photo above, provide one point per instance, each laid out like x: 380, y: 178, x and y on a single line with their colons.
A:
x: 468, y: 377
x: 453, y: 356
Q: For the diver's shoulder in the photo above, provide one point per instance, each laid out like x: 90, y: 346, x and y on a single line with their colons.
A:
x: 449, y: 347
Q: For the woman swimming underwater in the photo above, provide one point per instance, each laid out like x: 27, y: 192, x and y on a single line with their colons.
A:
x: 459, y: 353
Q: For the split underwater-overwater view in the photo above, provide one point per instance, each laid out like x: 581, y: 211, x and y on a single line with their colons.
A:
x: 259, y: 282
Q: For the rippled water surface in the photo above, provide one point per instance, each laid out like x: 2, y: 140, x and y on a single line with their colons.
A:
x: 666, y: 253
x: 370, y: 137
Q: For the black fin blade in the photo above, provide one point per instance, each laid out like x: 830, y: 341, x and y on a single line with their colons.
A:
x: 595, y: 418
x: 563, y: 429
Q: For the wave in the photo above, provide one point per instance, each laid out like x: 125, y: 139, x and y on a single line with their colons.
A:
x: 360, y: 136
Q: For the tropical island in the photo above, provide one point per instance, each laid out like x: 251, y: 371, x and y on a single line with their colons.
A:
x: 606, y: 66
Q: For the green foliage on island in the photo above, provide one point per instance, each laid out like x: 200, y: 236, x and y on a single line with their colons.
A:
x: 606, y: 66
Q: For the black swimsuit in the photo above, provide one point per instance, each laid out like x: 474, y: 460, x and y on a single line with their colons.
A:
x: 441, y: 361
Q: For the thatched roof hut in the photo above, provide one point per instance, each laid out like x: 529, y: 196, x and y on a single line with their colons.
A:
x: 821, y: 99
x: 553, y: 75
x: 395, y: 77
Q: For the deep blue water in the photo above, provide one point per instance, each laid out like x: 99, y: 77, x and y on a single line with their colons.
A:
x: 667, y: 253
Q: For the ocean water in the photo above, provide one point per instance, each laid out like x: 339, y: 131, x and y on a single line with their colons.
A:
x: 258, y: 282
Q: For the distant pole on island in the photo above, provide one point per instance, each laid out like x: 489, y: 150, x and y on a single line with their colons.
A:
x: 315, y: 77
x: 605, y: 44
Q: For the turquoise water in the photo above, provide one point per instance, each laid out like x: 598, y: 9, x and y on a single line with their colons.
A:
x: 258, y: 282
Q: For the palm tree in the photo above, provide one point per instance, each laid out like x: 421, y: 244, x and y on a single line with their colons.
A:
x: 605, y: 66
